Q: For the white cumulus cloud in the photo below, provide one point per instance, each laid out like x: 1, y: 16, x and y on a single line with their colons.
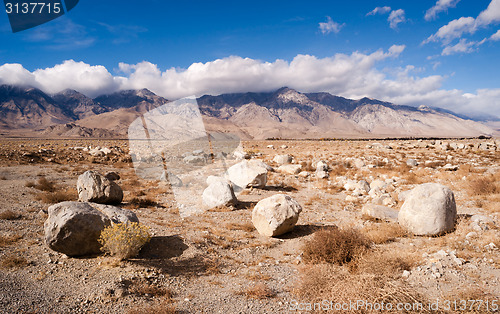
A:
x: 463, y: 46
x: 396, y: 17
x: 440, y: 6
x: 496, y: 36
x: 352, y: 75
x: 330, y: 26
x: 379, y: 10
x: 455, y: 29
x: 491, y: 14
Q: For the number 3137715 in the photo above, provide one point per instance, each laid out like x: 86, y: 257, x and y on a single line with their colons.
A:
x: 33, y: 8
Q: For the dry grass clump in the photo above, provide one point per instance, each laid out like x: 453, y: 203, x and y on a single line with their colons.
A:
x: 9, y: 215
x: 337, y: 170
x: 484, y: 186
x: 9, y: 239
x: 136, y: 203
x: 335, y: 284
x: 69, y: 194
x: 384, y: 232
x: 335, y: 246
x: 247, y: 227
x: 42, y: 184
x: 124, y: 240
x: 13, y: 261
x: 385, y: 262
x: 143, y: 288
x: 258, y: 291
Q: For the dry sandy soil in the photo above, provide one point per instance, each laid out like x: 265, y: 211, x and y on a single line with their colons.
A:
x: 216, y: 262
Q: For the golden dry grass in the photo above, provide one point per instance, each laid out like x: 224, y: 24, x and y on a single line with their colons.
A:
x: 8, y: 239
x: 383, y: 232
x: 143, y: 288
x: 69, y: 194
x: 336, y: 246
x: 485, y: 185
x: 42, y: 184
x: 247, y: 227
x: 9, y: 215
x: 13, y: 260
x: 335, y: 284
x: 258, y: 291
x: 385, y: 262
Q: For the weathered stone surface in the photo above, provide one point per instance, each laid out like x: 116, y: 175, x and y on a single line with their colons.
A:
x: 219, y: 193
x: 195, y: 160
x: 412, y: 162
x: 429, y: 209
x: 282, y: 159
x: 248, y: 173
x: 94, y: 187
x: 276, y: 215
x: 290, y: 169
x: 380, y: 212
x: 73, y: 228
x: 171, y: 178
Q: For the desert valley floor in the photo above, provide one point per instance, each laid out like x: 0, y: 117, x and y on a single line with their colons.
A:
x: 216, y: 262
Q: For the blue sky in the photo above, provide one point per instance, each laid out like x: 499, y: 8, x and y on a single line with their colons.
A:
x: 438, y: 53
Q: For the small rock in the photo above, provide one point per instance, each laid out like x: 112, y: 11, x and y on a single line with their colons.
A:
x: 290, y: 169
x: 412, y: 162
x: 282, y: 159
x: 380, y: 212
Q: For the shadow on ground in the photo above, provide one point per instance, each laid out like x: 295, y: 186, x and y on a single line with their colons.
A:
x: 304, y: 230
x: 164, y: 253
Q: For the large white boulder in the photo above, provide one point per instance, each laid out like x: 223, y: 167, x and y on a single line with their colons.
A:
x: 429, y: 209
x: 276, y: 215
x: 73, y: 228
x: 94, y: 187
x: 248, y: 173
x: 219, y: 193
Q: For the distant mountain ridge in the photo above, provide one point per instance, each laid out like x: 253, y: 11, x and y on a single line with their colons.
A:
x: 284, y: 113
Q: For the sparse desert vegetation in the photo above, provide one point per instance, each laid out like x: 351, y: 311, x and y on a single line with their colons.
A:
x: 346, y: 245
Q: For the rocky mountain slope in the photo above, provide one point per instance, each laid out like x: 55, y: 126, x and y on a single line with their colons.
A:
x: 285, y: 113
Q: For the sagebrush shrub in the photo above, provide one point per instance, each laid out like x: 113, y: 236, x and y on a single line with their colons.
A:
x: 124, y: 240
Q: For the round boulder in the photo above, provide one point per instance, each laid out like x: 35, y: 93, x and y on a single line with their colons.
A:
x: 276, y: 215
x: 218, y: 193
x: 73, y: 228
x: 429, y: 209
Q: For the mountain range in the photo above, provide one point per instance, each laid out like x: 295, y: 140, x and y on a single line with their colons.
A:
x: 285, y: 113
